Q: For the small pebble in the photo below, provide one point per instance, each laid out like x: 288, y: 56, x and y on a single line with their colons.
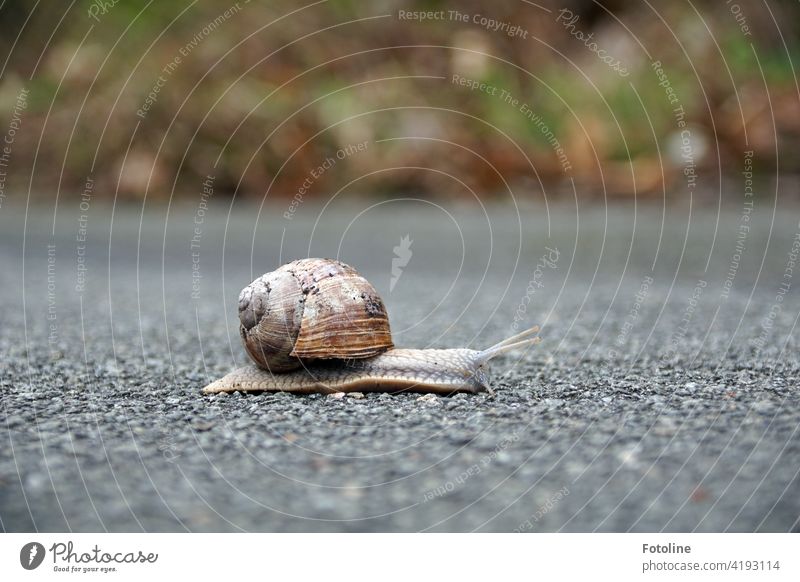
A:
x: 429, y: 399
x: 356, y: 395
x: 201, y: 426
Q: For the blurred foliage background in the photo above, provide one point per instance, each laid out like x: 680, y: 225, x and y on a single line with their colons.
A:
x: 266, y: 91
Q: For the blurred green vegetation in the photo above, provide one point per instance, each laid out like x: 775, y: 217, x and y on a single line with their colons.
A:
x: 266, y: 91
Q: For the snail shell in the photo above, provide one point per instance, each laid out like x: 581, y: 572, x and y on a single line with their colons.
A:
x: 312, y: 309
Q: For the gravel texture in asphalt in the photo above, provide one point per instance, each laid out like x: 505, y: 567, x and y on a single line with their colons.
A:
x: 663, y: 397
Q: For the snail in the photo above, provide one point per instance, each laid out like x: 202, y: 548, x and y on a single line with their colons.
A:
x: 316, y: 325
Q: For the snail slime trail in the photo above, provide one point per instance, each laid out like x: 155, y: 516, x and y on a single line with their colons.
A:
x: 317, y: 325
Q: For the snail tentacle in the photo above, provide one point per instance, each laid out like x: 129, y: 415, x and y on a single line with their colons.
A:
x: 514, y: 342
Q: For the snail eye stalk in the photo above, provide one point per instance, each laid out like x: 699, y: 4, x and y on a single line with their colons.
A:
x: 519, y: 341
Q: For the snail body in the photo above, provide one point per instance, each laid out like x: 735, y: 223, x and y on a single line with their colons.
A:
x: 317, y: 326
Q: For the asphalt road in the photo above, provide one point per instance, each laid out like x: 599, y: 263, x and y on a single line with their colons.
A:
x: 663, y: 397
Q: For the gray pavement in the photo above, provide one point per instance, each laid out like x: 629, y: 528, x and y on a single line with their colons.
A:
x: 663, y: 397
